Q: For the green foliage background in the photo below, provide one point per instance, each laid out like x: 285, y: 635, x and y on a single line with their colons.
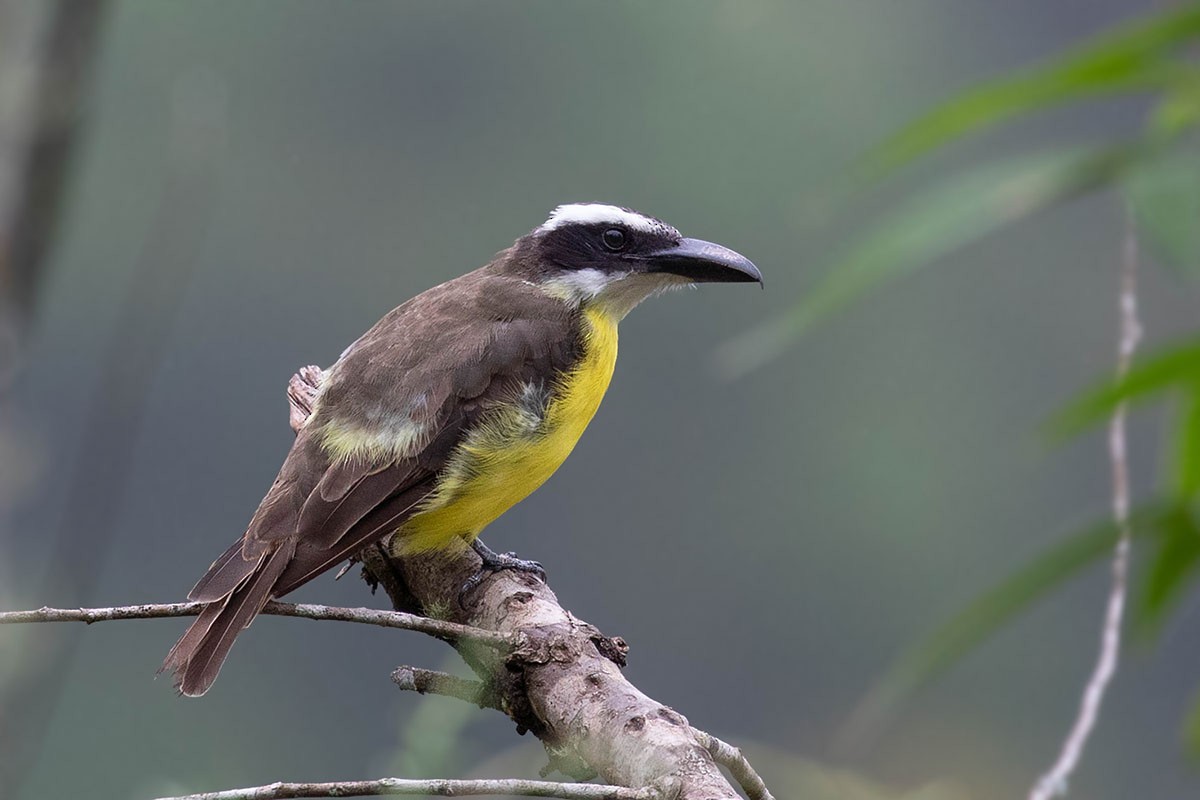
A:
x: 1156, y: 173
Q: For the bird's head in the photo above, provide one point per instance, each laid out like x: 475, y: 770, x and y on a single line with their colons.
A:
x: 604, y: 256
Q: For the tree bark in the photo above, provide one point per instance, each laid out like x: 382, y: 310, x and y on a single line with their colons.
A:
x: 563, y: 682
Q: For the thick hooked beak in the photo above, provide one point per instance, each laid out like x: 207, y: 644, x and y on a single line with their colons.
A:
x: 703, y: 262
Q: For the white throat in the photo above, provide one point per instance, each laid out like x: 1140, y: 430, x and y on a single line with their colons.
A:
x: 613, y: 293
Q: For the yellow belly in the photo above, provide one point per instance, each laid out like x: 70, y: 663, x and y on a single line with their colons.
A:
x: 502, y: 461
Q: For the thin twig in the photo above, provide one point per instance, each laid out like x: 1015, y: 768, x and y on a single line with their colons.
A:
x: 442, y: 787
x: 366, y: 616
x: 1054, y: 781
x: 430, y: 681
x: 731, y: 758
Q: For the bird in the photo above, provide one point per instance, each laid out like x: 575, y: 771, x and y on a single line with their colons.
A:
x: 453, y: 408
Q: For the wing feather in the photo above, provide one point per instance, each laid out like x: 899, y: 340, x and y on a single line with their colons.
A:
x: 442, y: 361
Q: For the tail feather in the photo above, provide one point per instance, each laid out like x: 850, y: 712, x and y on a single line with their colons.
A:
x: 198, y: 655
x: 177, y: 657
x: 225, y: 575
x: 374, y: 525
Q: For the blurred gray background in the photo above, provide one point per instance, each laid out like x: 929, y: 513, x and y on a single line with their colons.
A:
x: 258, y: 182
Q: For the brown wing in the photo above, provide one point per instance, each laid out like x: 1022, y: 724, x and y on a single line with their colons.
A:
x: 442, y: 360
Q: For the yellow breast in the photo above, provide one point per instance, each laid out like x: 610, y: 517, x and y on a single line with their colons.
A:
x: 503, y: 460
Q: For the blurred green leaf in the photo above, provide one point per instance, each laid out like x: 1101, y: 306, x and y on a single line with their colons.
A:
x: 1177, y: 113
x: 1191, y: 729
x: 1165, y: 370
x: 986, y: 615
x: 431, y: 740
x: 1132, y: 57
x: 930, y: 225
x: 1164, y: 196
x: 1175, y: 562
x: 1187, y: 439
x: 790, y: 775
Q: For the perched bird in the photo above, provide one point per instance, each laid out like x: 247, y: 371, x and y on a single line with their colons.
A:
x: 448, y: 412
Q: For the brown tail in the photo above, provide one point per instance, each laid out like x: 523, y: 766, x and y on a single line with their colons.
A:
x: 244, y: 588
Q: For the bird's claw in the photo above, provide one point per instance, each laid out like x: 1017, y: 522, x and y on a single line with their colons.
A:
x: 491, y: 561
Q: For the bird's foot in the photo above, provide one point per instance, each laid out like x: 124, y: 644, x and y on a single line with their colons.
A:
x: 494, y: 562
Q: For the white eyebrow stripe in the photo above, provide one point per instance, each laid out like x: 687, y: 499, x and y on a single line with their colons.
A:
x: 596, y: 213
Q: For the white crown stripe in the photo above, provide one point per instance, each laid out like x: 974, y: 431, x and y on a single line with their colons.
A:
x: 597, y: 213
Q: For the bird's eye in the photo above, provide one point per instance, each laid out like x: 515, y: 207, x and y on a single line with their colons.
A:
x: 614, y: 238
